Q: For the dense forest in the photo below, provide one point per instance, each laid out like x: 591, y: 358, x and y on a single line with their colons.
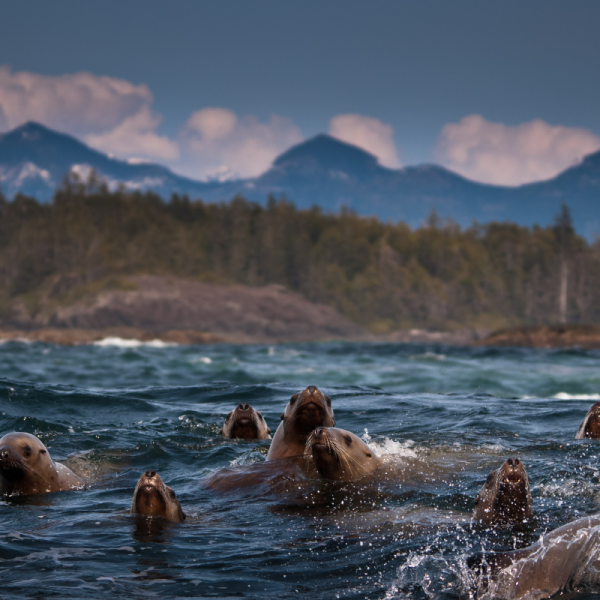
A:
x: 385, y: 276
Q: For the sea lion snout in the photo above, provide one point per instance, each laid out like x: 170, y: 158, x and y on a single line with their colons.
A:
x: 152, y: 498
x: 9, y: 457
x: 311, y: 389
x: 319, y: 439
x: 505, y: 497
x: 246, y: 423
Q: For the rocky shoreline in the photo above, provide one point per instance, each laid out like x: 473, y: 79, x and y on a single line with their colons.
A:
x: 545, y: 336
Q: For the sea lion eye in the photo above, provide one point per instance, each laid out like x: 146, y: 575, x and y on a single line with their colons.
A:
x: 490, y: 479
x: 27, y: 449
x: 172, y: 494
x: 348, y: 439
x: 369, y: 454
x: 228, y: 417
x: 328, y: 400
x: 293, y: 398
x: 42, y: 451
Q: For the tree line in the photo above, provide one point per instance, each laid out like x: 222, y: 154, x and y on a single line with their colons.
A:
x: 385, y: 276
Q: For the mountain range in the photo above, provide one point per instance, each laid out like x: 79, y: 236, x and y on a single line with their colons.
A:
x: 321, y: 171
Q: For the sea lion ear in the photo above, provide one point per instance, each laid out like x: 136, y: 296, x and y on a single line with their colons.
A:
x: 282, y: 416
x: 477, y: 498
x: 333, y: 421
x: 183, y: 515
x: 268, y: 430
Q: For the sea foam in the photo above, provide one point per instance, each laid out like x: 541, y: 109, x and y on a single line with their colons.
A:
x: 124, y: 343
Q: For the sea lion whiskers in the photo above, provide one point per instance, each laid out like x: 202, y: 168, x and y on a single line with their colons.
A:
x: 34, y: 471
x: 334, y: 448
x: 13, y: 464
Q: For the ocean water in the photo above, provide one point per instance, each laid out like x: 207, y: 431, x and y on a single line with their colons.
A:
x: 442, y: 417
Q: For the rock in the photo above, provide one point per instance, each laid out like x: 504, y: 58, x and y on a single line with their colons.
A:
x: 191, y: 311
x: 545, y: 336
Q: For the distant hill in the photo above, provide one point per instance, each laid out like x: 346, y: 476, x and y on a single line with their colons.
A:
x: 34, y: 159
x: 321, y: 171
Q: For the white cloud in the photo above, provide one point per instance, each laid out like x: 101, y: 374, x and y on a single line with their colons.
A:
x: 112, y: 115
x: 136, y: 137
x: 511, y: 155
x: 78, y: 103
x: 217, y: 141
x: 368, y: 133
x: 115, y: 116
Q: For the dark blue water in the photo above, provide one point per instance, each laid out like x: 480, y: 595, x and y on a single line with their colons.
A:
x: 442, y: 417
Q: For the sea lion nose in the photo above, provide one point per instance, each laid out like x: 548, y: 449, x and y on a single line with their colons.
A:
x: 318, y: 431
x: 150, y: 474
x: 243, y: 406
x: 513, y: 462
x: 311, y: 389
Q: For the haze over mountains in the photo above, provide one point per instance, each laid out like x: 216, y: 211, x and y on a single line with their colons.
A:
x: 321, y: 171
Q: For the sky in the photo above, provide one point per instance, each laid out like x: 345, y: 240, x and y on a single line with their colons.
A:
x: 501, y: 92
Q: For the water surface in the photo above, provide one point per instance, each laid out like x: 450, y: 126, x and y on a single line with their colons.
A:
x: 113, y: 410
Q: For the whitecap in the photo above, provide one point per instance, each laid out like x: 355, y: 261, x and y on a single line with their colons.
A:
x: 125, y: 343
x: 565, y: 396
x: 427, y: 356
x: 201, y: 359
x: 388, y: 447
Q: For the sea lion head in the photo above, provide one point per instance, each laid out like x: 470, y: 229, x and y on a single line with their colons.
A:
x: 152, y: 498
x: 25, y: 464
x: 306, y: 411
x: 340, y: 455
x: 246, y: 423
x: 590, y: 428
x: 505, y: 496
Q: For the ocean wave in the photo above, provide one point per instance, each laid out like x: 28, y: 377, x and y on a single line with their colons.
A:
x: 565, y: 396
x: 132, y: 343
x: 201, y: 360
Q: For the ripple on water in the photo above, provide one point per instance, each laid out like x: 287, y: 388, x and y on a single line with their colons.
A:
x: 441, y: 418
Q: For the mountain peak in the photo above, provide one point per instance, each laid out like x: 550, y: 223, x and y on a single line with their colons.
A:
x: 329, y: 153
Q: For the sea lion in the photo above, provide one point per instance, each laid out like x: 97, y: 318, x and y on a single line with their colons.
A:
x: 562, y: 559
x: 590, y: 428
x: 245, y: 423
x: 305, y: 411
x: 340, y: 455
x: 26, y: 467
x: 505, y: 497
x: 152, y: 498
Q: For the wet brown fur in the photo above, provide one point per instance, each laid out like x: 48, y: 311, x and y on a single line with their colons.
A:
x: 505, y: 497
x: 305, y: 411
x: 246, y: 423
x: 590, y: 428
x: 340, y: 455
x: 26, y: 467
x: 152, y: 498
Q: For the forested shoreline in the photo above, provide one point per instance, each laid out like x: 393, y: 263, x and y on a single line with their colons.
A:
x: 384, y: 276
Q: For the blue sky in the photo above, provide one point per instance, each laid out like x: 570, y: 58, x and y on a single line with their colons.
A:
x: 506, y: 91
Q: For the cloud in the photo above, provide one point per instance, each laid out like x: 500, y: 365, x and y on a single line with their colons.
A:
x: 78, y: 103
x: 511, y: 155
x: 136, y: 137
x: 110, y: 114
x: 217, y: 142
x: 368, y: 133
